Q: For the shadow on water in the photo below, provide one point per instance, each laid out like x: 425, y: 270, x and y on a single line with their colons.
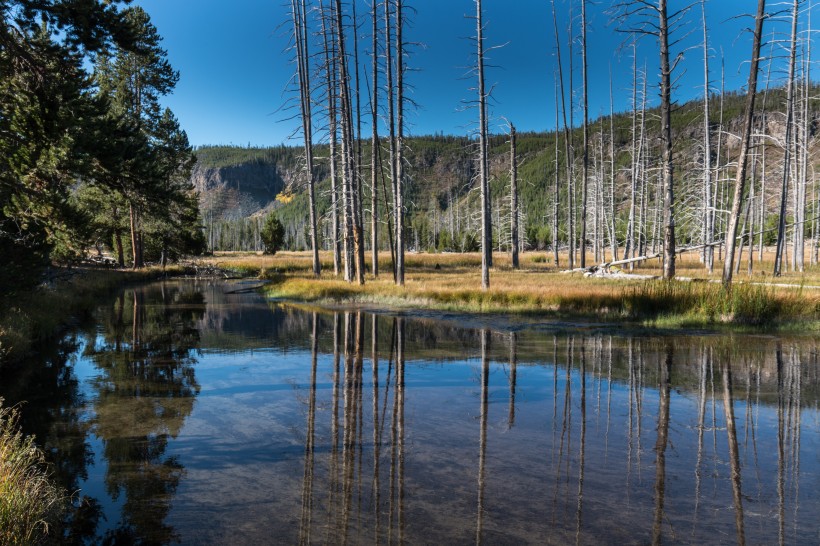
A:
x: 349, y: 427
x: 143, y: 352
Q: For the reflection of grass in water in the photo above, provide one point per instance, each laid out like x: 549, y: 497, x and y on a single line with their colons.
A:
x: 29, y: 502
x: 38, y: 315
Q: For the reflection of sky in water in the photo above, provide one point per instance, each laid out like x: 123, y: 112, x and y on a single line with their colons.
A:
x: 248, y: 478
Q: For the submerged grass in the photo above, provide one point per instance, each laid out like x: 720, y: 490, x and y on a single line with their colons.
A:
x: 29, y: 502
x: 451, y: 282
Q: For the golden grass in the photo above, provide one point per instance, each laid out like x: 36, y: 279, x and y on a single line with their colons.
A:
x: 29, y: 502
x: 452, y: 282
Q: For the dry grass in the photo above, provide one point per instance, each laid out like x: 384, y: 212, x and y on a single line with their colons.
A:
x: 452, y: 282
x: 29, y: 502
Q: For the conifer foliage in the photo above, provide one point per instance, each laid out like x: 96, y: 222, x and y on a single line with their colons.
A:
x: 78, y: 151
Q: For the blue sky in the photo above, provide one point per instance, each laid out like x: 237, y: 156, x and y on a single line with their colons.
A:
x: 234, y: 68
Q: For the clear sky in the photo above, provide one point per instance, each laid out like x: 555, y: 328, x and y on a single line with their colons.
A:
x: 234, y: 68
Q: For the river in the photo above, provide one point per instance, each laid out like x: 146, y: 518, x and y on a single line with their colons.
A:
x: 199, y: 412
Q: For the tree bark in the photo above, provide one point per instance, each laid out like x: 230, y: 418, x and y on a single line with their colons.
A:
x: 486, y: 228
x: 666, y: 137
x: 784, y: 192
x: 513, y: 198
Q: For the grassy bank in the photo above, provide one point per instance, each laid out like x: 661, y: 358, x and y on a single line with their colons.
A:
x: 31, y: 317
x: 451, y: 282
x: 29, y: 503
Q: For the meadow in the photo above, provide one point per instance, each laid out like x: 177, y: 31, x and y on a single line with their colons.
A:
x: 451, y: 282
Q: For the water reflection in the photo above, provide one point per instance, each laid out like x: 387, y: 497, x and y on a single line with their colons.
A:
x: 352, y: 428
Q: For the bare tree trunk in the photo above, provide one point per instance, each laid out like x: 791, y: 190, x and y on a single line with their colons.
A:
x: 391, y: 119
x: 330, y: 76
x: 740, y: 179
x: 585, y: 184
x: 567, y: 142
x: 513, y: 198
x: 375, y: 165
x: 348, y: 168
x: 303, y: 74
x: 555, y: 199
x: 399, y: 145
x: 800, y: 213
x: 784, y: 192
x: 135, y: 262
x: 358, y: 207
x: 614, y: 239
x: 486, y: 228
x: 629, y: 251
x: 708, y: 226
x: 666, y: 152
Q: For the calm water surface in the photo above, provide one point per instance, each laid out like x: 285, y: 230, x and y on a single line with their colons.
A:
x: 199, y: 413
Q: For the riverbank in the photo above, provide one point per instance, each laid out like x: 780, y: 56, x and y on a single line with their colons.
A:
x: 451, y: 282
x: 42, y: 313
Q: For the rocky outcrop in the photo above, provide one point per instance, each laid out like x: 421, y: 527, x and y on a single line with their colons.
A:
x: 238, y: 191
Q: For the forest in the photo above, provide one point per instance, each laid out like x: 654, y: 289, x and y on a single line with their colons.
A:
x: 90, y: 159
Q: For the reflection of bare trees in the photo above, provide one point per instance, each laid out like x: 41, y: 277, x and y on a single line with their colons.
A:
x: 734, y: 457
x: 362, y: 476
x: 513, y: 377
x: 351, y: 506
x: 664, y: 392
x: 307, y: 489
x: 482, y: 443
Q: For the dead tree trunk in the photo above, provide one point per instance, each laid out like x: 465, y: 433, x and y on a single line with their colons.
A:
x: 781, y: 230
x: 614, y: 238
x: 330, y: 76
x: 375, y: 165
x: 513, y: 198
x: 568, y: 159
x: 708, y: 232
x: 555, y: 198
x: 399, y: 145
x: 740, y: 178
x: 299, y: 16
x: 666, y: 138
x: 585, y: 183
x: 391, y: 119
x: 486, y: 228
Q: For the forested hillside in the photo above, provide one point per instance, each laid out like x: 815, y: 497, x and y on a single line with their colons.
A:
x: 237, y: 183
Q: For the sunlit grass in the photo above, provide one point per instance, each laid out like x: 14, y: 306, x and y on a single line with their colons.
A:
x: 449, y: 281
x: 29, y: 502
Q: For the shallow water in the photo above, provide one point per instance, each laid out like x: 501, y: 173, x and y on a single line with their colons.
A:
x: 190, y: 412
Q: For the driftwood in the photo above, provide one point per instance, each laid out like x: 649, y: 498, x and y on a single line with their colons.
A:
x: 604, y: 268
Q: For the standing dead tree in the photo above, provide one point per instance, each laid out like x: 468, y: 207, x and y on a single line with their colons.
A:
x: 585, y: 183
x: 299, y: 18
x: 569, y: 159
x: 513, y: 198
x: 375, y: 165
x: 740, y: 177
x: 708, y: 233
x: 329, y: 46
x: 787, y: 152
x: 486, y: 226
x: 399, y: 183
x: 652, y: 18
